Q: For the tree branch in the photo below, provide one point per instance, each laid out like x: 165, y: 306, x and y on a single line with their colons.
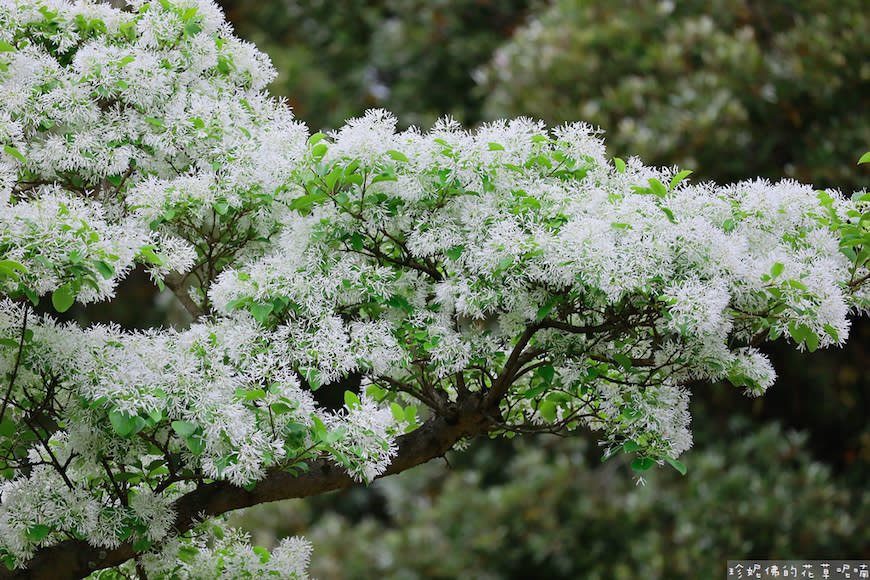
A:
x: 178, y: 284
x: 73, y: 559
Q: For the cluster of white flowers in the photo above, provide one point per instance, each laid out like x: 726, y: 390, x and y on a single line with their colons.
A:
x: 216, y: 551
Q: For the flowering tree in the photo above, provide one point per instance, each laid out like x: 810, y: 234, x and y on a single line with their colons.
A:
x: 508, y: 280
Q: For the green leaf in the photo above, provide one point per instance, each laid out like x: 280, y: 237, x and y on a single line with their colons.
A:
x: 676, y: 179
x: 32, y: 296
x: 220, y: 206
x: 832, y: 332
x: 115, y: 180
x: 8, y: 269
x: 319, y: 150
x: 397, y: 155
x: 306, y: 201
x: 315, y: 138
x: 657, y: 187
x: 195, y: 443
x: 547, y: 373
x: 62, y: 298
x: 124, y: 424
x: 496, y: 147
x: 351, y: 399
x: 642, y: 463
x: 676, y: 465
x: 776, y: 270
x: 192, y: 28
x: 411, y: 414
x: 14, y: 153
x: 312, y: 377
x: 670, y: 214
x: 631, y: 446
x: 864, y: 158
x: 544, y: 310
x: 105, y: 270
x: 7, y: 427
x: 37, y: 532
x: 319, y: 428
x: 6, y: 47
x: 156, y: 122
x: 184, y: 428
x: 261, y: 311
x: 505, y: 263
x: 254, y: 395
x: 141, y: 544
x: 153, y: 257
x: 620, y: 164
x: 263, y: 553
x: 398, y: 411
x: 623, y: 360
x: 797, y: 285
x: 812, y: 340
x: 455, y: 252
x: 547, y: 409
x: 535, y: 391
x: 280, y: 408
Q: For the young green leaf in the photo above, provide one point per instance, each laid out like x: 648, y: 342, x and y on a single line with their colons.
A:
x: 676, y: 179
x: 676, y: 465
x: 620, y: 164
x: 623, y: 360
x: 397, y: 155
x: 261, y: 310
x: 864, y: 158
x: 631, y: 446
x: 642, y: 463
x: 547, y: 373
x: 37, y: 532
x: 776, y: 270
x: 126, y: 425
x: 14, y: 153
x: 196, y: 443
x: 183, y: 428
x: 657, y: 187
x: 62, y: 298
x: 105, y: 270
x: 351, y: 399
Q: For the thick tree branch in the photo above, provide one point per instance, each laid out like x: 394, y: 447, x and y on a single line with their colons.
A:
x: 179, y: 286
x: 72, y: 559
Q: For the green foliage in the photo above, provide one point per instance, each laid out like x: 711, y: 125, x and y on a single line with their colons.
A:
x: 413, y: 57
x: 732, y: 89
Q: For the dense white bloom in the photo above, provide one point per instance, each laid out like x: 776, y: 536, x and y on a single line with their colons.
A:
x: 438, y: 265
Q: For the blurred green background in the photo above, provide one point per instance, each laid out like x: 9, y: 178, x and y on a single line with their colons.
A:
x: 730, y: 89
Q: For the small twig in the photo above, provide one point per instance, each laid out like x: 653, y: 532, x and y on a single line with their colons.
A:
x: 17, y: 363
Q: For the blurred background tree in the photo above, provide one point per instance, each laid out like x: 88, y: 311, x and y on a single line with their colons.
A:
x: 755, y: 492
x: 413, y: 57
x: 728, y: 88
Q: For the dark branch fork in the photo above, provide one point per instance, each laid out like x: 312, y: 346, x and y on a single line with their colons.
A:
x: 470, y: 415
